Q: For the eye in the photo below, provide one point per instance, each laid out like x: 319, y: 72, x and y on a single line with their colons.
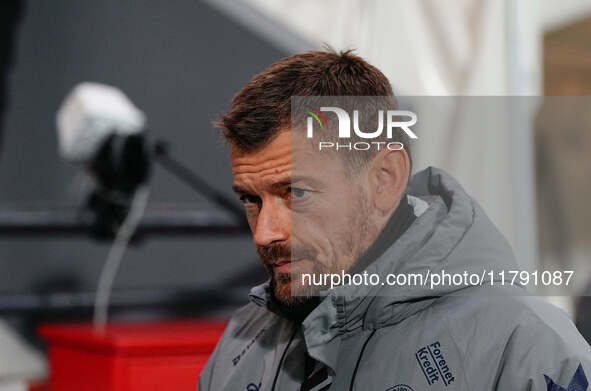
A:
x: 298, y: 194
x: 249, y: 199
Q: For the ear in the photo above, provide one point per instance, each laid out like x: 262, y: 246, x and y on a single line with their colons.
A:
x: 389, y: 173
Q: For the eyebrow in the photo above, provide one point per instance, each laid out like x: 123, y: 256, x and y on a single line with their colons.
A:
x: 276, y: 185
x: 239, y: 190
x: 281, y: 184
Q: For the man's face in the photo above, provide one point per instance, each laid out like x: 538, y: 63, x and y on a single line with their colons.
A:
x: 306, y: 213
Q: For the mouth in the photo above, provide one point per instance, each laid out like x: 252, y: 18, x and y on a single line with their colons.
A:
x: 283, y: 265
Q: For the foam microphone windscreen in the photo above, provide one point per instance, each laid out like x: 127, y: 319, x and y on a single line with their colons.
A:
x: 89, y: 115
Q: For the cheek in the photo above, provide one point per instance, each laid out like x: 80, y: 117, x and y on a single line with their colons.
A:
x: 331, y: 227
x: 308, y: 230
x: 320, y: 228
x: 344, y: 239
x: 251, y: 217
x: 303, y: 266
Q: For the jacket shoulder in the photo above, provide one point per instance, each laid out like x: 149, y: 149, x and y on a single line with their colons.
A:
x: 247, y: 326
x: 521, y: 339
x: 508, y: 313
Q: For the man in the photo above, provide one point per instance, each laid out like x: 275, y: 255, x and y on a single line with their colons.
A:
x: 315, y: 212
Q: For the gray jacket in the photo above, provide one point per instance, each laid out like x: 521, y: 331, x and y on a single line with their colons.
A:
x: 405, y: 338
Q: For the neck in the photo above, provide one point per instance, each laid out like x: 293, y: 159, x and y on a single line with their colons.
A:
x: 397, y: 224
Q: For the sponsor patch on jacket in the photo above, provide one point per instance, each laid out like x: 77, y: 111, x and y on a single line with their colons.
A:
x: 433, y: 364
x: 237, y: 358
x: 400, y: 387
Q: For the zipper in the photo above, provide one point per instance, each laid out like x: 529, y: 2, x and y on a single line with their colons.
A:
x: 283, y: 358
x: 359, y: 360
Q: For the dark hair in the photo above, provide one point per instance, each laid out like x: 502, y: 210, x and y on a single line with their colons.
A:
x: 263, y: 106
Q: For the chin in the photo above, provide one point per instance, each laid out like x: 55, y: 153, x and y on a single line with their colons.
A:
x: 282, y: 292
x: 288, y: 290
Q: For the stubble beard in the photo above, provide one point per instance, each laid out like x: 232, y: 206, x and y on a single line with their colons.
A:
x: 288, y: 290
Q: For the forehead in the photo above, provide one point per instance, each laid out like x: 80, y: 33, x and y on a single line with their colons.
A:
x: 274, y: 158
x: 286, y: 155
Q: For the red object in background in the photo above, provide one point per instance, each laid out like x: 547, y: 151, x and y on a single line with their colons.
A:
x: 130, y: 357
x: 37, y: 386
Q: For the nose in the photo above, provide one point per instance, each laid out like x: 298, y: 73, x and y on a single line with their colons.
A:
x: 272, y: 224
